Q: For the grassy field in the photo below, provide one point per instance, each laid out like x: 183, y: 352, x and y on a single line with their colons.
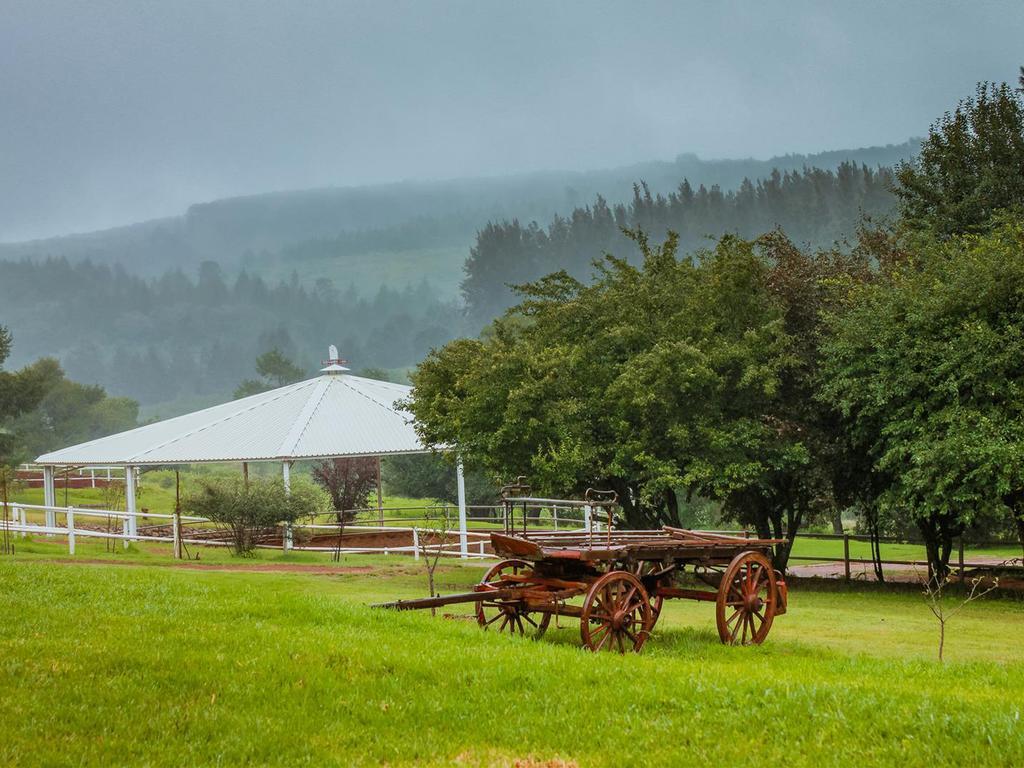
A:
x: 158, y: 665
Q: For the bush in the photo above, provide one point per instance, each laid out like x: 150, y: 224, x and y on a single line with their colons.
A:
x: 250, y: 508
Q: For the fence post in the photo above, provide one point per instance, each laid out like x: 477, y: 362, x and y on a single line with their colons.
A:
x: 587, y: 521
x: 846, y: 555
x: 960, y: 557
x: 71, y: 530
x: 554, y: 514
x: 415, y: 543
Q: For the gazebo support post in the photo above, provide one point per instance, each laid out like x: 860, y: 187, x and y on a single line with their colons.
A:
x: 286, y: 473
x: 380, y: 497
x: 131, y: 527
x: 49, y: 497
x: 460, y: 479
x: 176, y: 522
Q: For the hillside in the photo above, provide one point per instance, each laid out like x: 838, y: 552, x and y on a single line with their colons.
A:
x: 146, y: 312
x: 406, y: 231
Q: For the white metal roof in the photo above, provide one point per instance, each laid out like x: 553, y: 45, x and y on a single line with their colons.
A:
x: 332, y: 415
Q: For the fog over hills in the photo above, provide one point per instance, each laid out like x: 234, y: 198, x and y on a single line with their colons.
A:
x: 384, y: 223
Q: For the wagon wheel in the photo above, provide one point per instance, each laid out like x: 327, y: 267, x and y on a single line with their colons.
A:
x: 641, y: 569
x: 505, y: 616
x: 747, y: 599
x: 617, y: 614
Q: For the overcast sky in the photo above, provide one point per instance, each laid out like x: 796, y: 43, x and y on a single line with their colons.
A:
x: 117, y: 111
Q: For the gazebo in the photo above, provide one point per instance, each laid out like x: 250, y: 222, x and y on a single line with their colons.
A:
x: 335, y: 415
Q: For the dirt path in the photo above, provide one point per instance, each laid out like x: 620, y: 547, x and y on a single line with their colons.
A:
x: 191, y: 565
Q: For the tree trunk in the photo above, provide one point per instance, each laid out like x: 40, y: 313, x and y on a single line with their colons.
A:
x: 876, y: 548
x: 794, y: 518
x: 671, y: 507
x: 837, y: 522
x: 937, y: 567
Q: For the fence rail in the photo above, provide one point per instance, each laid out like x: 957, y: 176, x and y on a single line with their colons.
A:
x: 469, y: 543
x: 15, y: 521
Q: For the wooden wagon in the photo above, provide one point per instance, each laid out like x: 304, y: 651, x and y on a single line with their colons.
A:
x: 623, y: 578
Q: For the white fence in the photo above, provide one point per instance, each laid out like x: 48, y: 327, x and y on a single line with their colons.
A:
x: 17, y: 523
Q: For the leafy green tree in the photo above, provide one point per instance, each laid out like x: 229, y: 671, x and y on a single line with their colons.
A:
x: 927, y: 365
x: 970, y: 166
x: 70, y: 413
x: 653, y: 379
x: 31, y: 421
x: 275, y: 370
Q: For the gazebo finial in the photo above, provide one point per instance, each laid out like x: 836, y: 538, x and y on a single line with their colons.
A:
x: 333, y: 364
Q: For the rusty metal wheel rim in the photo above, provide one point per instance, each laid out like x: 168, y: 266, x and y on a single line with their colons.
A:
x: 747, y: 599
x: 502, y: 616
x: 617, y: 614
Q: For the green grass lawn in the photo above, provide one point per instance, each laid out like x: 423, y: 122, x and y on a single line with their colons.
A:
x: 155, y: 665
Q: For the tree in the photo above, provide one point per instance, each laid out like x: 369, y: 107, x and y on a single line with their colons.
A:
x: 20, y: 392
x: 275, y: 370
x: 933, y: 591
x: 969, y: 168
x: 783, y: 496
x: 348, y: 481
x: 926, y: 365
x: 40, y: 409
x: 654, y: 380
x: 71, y: 413
x: 253, y: 508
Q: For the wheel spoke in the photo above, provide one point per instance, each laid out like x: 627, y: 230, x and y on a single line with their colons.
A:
x: 527, y: 617
x: 491, y: 621
x: 732, y: 636
x: 625, y: 601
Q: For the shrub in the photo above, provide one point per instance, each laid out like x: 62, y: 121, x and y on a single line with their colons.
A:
x: 249, y: 508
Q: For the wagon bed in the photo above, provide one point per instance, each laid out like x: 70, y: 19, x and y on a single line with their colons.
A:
x: 651, y: 545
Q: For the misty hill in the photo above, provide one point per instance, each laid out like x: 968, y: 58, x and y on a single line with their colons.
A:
x: 187, y: 333
x: 403, y: 232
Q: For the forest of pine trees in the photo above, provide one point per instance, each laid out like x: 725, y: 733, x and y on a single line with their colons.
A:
x: 814, y: 207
